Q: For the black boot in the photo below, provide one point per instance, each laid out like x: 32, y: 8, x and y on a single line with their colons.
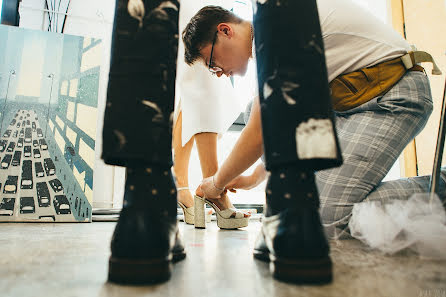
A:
x: 146, y: 239
x: 292, y: 236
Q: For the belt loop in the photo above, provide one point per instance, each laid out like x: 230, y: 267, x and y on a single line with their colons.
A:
x: 413, y: 58
x: 407, y: 61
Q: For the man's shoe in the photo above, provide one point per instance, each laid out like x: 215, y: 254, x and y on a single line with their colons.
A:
x: 261, y: 251
x: 295, y: 243
x: 178, y: 252
x: 144, y: 246
x: 146, y: 241
x: 292, y: 237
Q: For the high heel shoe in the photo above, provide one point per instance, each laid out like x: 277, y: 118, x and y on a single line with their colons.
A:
x: 230, y: 218
x: 188, y: 212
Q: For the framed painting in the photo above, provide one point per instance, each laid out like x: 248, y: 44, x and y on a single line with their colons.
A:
x: 48, y: 104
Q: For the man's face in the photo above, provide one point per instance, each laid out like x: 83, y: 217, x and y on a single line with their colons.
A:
x: 231, y: 51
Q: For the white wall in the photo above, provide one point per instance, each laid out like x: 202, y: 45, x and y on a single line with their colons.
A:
x: 91, y: 19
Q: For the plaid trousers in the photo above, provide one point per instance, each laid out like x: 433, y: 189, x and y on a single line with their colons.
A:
x: 372, y: 136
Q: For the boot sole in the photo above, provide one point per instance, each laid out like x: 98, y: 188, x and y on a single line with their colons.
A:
x: 317, y: 271
x: 260, y: 255
x: 139, y: 272
x: 178, y: 256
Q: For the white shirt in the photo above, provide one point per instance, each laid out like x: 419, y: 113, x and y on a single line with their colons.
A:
x: 354, y: 38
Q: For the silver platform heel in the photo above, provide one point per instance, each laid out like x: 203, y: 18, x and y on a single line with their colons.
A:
x: 200, y: 218
x: 188, y: 212
x: 230, y: 218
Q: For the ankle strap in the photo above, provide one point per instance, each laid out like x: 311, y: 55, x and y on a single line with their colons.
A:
x: 182, y: 188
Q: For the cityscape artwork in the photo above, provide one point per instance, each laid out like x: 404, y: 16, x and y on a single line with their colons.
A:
x: 48, y: 105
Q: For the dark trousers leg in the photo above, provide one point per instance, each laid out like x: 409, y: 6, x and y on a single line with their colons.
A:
x: 137, y: 134
x: 141, y: 88
x: 299, y: 136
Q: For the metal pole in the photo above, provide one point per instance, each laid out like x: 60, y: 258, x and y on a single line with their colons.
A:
x: 12, y: 72
x: 435, y: 178
x: 49, y: 103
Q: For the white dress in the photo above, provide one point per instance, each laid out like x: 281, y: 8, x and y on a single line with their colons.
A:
x: 208, y: 103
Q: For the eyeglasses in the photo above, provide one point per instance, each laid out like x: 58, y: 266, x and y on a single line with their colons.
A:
x: 213, y: 69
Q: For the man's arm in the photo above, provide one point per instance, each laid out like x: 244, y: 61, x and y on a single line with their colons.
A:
x: 248, y: 182
x: 247, y: 150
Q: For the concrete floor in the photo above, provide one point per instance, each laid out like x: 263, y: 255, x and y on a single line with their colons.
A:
x: 71, y: 260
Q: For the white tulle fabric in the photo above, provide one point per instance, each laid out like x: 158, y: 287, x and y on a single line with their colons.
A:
x: 418, y: 224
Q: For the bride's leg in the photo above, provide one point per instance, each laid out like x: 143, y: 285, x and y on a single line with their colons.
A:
x: 181, y: 162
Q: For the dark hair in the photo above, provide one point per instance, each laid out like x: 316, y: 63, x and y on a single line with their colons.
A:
x: 201, y: 29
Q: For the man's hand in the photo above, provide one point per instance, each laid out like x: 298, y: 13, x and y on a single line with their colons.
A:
x: 248, y: 182
x: 241, y: 182
x: 207, y: 189
x: 136, y: 10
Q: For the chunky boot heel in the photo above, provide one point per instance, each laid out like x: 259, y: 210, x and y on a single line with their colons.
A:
x: 308, y: 271
x: 127, y: 271
x: 199, y: 214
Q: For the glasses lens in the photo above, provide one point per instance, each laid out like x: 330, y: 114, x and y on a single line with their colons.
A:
x: 215, y: 69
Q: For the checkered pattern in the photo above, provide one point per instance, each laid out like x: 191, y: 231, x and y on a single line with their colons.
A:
x: 372, y: 136
x: 405, y: 187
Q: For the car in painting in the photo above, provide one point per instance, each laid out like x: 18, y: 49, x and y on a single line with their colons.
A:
x: 7, y: 207
x: 3, y: 144
x: 35, y: 143
x: 33, y: 126
x: 43, y: 194
x: 36, y: 153
x: 39, y: 169
x: 28, y: 135
x: 27, y: 175
x: 6, y: 161
x: 61, y: 205
x: 16, y: 158
x: 11, y: 146
x: 20, y: 142
x: 43, y: 145
x: 22, y: 132
x: 27, y: 205
x: 14, y: 135
x: 11, y: 184
x: 39, y: 132
x: 56, y: 185
x: 7, y: 133
x: 27, y: 151
x: 50, y: 169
